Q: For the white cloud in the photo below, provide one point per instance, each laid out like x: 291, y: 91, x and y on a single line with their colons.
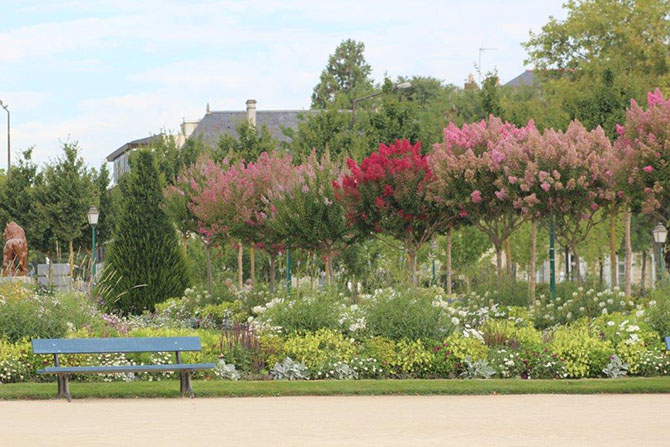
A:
x: 224, y: 52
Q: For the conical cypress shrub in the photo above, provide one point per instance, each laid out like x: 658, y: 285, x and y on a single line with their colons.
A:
x: 144, y: 264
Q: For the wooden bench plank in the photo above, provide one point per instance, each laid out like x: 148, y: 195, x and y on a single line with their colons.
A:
x: 124, y: 368
x: 115, y: 345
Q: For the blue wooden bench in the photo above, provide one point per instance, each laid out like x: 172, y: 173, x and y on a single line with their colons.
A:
x: 667, y: 343
x: 58, y: 346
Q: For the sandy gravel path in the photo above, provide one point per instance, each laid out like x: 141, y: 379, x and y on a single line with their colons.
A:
x: 535, y: 420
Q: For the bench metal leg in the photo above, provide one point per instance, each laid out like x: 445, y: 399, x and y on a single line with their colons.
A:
x: 188, y: 384
x: 185, y: 384
x: 66, y: 387
x: 60, y: 386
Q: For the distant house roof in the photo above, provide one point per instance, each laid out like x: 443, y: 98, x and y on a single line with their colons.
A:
x: 525, y: 78
x: 132, y: 145
x: 216, y: 124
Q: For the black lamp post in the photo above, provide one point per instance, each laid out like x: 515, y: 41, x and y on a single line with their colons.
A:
x: 93, y: 221
x: 660, y: 234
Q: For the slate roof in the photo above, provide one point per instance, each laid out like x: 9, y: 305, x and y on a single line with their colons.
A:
x: 525, y: 78
x: 215, y: 124
x: 132, y: 145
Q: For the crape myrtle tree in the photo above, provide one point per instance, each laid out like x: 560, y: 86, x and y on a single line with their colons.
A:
x: 643, y: 151
x: 470, y: 176
x: 306, y: 213
x: 388, y: 194
x: 145, y: 264
x: 568, y: 178
x: 232, y: 202
x: 270, y: 172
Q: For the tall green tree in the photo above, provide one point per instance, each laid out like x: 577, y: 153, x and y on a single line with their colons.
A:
x: 63, y: 200
x: 144, y: 264
x: 346, y: 76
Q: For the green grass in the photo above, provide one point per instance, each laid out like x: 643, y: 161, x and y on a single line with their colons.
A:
x: 339, y: 387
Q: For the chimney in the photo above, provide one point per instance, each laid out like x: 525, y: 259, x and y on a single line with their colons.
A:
x: 251, y: 111
x: 187, y: 127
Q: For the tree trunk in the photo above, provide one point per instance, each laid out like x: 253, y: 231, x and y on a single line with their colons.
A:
x: 411, y: 255
x: 508, y: 258
x: 240, y: 266
x: 468, y: 284
x: 499, y: 268
x: 449, y: 274
x: 184, y: 241
x: 533, y: 259
x: 71, y: 260
x: 252, y: 262
x: 208, y: 263
x: 613, y: 266
x: 629, y: 255
x: 643, y: 273
x: 354, y: 290
x: 329, y: 266
x: 577, y: 270
x: 272, y: 273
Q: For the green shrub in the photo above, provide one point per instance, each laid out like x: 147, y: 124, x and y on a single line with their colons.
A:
x: 319, y: 348
x: 302, y: 314
x: 448, y: 357
x: 506, y: 333
x: 584, y: 354
x: 407, y: 314
x: 45, y: 316
x: 657, y: 313
x: 509, y: 293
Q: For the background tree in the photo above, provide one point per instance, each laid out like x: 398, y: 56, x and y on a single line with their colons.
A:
x: 144, y: 263
x: 346, y: 76
x: 64, y: 197
x: 249, y: 143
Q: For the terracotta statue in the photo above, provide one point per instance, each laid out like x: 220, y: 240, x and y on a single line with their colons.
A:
x: 16, y: 250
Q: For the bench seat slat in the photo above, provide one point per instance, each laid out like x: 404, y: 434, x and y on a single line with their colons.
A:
x: 124, y: 368
x: 115, y: 345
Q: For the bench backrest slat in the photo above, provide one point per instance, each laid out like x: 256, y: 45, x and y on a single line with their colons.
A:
x: 667, y: 343
x: 110, y: 345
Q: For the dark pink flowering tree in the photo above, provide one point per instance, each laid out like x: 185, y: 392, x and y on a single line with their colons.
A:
x: 471, y: 176
x: 388, y: 194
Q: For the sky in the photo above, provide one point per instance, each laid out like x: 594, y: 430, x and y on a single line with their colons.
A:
x: 103, y: 73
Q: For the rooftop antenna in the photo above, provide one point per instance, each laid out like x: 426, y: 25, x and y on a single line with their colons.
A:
x: 479, y: 67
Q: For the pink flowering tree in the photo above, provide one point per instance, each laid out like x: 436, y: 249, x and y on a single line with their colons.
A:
x: 644, y: 145
x: 642, y: 154
x: 306, y: 214
x: 471, y: 175
x: 232, y: 202
x: 388, y: 194
x: 567, y: 177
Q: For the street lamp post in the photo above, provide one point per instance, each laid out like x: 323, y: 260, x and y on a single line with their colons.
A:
x: 93, y: 221
x: 660, y: 234
x: 9, y: 146
x: 433, y: 251
x: 402, y: 85
x: 289, y: 279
